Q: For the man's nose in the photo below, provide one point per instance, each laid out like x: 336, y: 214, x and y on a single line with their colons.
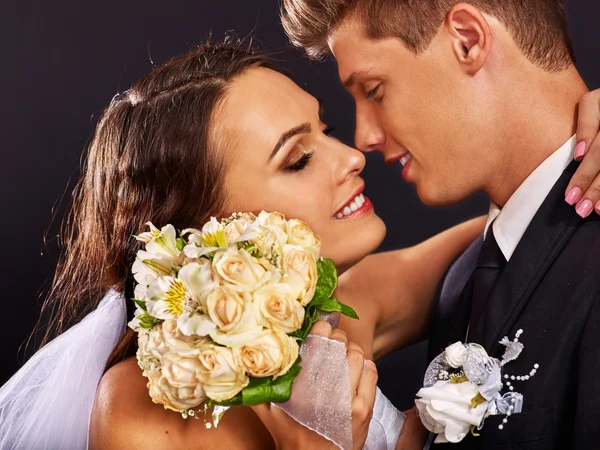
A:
x: 369, y: 135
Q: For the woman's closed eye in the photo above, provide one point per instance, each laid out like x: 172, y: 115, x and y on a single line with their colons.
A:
x: 303, y: 161
x: 299, y: 164
x: 328, y: 131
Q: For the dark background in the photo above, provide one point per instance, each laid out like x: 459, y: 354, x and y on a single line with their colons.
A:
x: 62, y: 62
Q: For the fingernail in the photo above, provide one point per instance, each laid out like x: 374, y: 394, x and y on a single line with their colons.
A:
x: 585, y: 208
x: 598, y: 207
x: 573, y: 196
x: 579, y: 151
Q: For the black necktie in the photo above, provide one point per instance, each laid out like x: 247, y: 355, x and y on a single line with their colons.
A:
x: 489, y: 267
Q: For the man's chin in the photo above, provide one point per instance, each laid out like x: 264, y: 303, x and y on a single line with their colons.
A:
x: 435, y: 197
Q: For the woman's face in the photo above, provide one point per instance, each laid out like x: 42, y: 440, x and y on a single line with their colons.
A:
x: 280, y: 158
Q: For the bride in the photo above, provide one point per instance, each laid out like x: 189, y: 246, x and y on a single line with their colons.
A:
x: 212, y: 132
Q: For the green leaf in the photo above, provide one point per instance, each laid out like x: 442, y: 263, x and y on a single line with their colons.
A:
x: 326, y: 279
x: 147, y: 321
x: 327, y: 305
x: 140, y: 303
x: 333, y: 305
x: 265, y: 390
x: 180, y: 244
x: 253, y: 250
x: 348, y: 311
x: 321, y: 301
x: 310, y: 317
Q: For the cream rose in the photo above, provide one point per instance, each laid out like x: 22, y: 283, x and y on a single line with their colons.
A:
x: 245, y: 330
x: 174, y: 398
x: 445, y: 409
x: 237, y: 267
x: 301, y: 268
x: 456, y: 354
x: 275, y: 306
x: 226, y: 307
x: 269, y: 241
x: 180, y: 371
x: 152, y: 343
x: 224, y: 372
x: 299, y: 233
x: 275, y: 219
x: 178, y: 342
x: 237, y: 227
x: 271, y: 354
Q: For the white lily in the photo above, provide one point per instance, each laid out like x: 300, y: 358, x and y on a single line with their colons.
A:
x: 149, y: 266
x: 198, y: 324
x: 203, y: 242
x: 168, y: 297
x: 199, y: 279
x: 192, y: 251
x: 140, y: 292
x: 195, y: 236
x: 160, y: 242
x: 148, y: 236
x: 143, y: 274
x: 213, y: 234
x: 252, y: 231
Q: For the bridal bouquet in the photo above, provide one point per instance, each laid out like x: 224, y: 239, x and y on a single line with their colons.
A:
x: 221, y: 311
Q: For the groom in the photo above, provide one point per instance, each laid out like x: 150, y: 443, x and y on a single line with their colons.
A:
x: 481, y: 96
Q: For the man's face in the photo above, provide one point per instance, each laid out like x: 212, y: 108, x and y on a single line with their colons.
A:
x: 422, y: 107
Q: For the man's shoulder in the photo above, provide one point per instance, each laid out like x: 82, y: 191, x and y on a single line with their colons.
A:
x: 581, y: 254
x: 587, y: 239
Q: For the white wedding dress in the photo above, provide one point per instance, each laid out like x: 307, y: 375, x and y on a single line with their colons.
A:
x: 47, y: 403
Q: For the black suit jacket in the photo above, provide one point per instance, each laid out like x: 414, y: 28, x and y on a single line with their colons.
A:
x: 550, y: 288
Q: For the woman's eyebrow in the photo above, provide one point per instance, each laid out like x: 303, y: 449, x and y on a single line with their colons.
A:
x: 286, y: 136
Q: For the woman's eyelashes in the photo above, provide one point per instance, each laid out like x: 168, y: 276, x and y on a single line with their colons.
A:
x: 328, y: 130
x: 299, y: 164
x: 303, y: 161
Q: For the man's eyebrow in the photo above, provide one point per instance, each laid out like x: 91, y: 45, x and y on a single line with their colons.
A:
x: 286, y: 136
x: 353, y: 78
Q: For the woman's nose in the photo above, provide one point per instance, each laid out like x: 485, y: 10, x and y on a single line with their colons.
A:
x: 351, y: 163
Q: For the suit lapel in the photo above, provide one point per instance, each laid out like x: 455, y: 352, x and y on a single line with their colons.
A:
x: 547, y: 234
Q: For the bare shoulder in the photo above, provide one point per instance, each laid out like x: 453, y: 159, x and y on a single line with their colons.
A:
x: 124, y: 417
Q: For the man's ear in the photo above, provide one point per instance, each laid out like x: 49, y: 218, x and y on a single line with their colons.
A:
x: 471, y: 36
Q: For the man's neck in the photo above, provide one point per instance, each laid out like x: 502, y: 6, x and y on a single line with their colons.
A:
x: 542, y: 119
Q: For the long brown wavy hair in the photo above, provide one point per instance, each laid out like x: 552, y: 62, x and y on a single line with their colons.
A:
x: 154, y: 157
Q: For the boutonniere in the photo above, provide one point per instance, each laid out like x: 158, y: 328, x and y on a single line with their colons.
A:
x: 463, y: 386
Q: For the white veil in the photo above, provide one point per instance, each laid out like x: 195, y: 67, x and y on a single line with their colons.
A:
x: 47, y: 403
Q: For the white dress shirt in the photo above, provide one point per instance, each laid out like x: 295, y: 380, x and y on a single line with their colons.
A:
x: 512, y: 220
